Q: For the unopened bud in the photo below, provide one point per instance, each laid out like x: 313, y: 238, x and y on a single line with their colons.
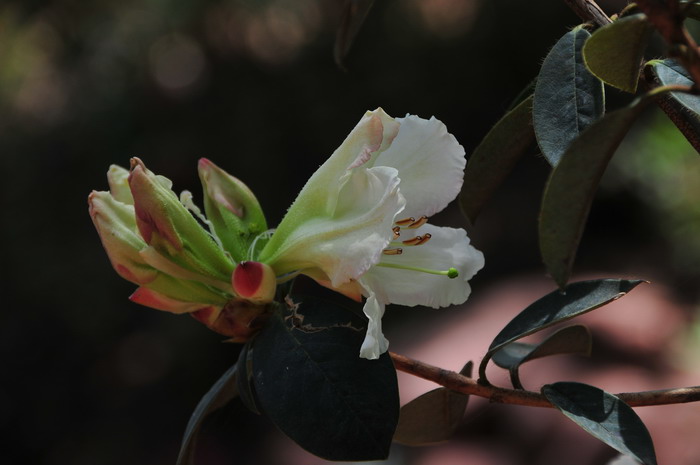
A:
x: 232, y: 209
x: 254, y: 281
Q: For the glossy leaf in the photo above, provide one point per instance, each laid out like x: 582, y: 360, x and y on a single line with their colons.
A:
x: 219, y: 395
x: 614, y: 52
x: 567, y: 98
x: 682, y: 108
x: 571, y: 186
x: 432, y: 417
x: 495, y: 158
x: 604, y: 416
x: 309, y: 379
x: 353, y: 16
x: 570, y: 340
x: 670, y: 72
x: 576, y: 299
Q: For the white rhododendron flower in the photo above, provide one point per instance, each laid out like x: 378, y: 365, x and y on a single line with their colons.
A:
x: 360, y: 224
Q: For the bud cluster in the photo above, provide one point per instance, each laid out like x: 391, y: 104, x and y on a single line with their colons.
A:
x: 155, y: 240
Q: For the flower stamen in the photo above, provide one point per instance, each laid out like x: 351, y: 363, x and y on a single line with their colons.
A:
x: 397, y: 231
x: 397, y: 251
x: 418, y: 240
x: 451, y: 273
x: 406, y: 221
x: 417, y: 224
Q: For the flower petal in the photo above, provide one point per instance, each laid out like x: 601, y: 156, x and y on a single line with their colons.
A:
x: 351, y: 289
x: 153, y: 299
x: 347, y: 242
x: 319, y: 196
x: 118, y: 179
x: 155, y: 259
x: 430, y: 162
x: 116, y: 227
x: 447, y: 248
x: 375, y: 344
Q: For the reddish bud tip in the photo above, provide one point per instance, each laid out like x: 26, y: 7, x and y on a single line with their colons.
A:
x: 254, y: 281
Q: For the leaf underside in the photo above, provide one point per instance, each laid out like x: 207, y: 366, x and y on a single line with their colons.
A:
x: 614, y: 52
x: 432, y: 417
x: 604, y: 416
x: 570, y: 340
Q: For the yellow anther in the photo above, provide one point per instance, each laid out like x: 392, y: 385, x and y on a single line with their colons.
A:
x: 398, y: 251
x: 417, y: 224
x: 406, y: 221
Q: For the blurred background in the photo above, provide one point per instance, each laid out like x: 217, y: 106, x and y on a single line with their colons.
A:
x: 90, y: 378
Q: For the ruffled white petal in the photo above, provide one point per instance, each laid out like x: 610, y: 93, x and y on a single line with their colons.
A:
x: 448, y: 248
x: 319, y: 196
x: 347, y: 243
x: 430, y: 162
x: 375, y: 344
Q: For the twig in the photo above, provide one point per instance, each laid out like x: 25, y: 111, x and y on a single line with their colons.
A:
x: 588, y: 10
x: 466, y: 385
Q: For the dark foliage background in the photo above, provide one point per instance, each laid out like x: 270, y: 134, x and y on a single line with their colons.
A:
x: 90, y: 377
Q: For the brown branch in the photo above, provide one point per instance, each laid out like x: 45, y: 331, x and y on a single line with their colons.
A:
x: 588, y: 10
x: 466, y: 385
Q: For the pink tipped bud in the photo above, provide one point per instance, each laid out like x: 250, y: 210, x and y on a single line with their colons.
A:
x: 254, y: 281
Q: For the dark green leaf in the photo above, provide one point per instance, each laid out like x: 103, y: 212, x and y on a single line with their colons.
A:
x: 568, y: 98
x: 432, y: 417
x: 604, y: 416
x: 219, y: 395
x: 682, y: 108
x: 311, y: 382
x: 354, y: 14
x: 495, y: 157
x: 669, y: 72
x: 577, y: 298
x: 614, y: 52
x: 570, y: 340
x: 244, y: 380
x: 512, y: 354
x: 572, y: 185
